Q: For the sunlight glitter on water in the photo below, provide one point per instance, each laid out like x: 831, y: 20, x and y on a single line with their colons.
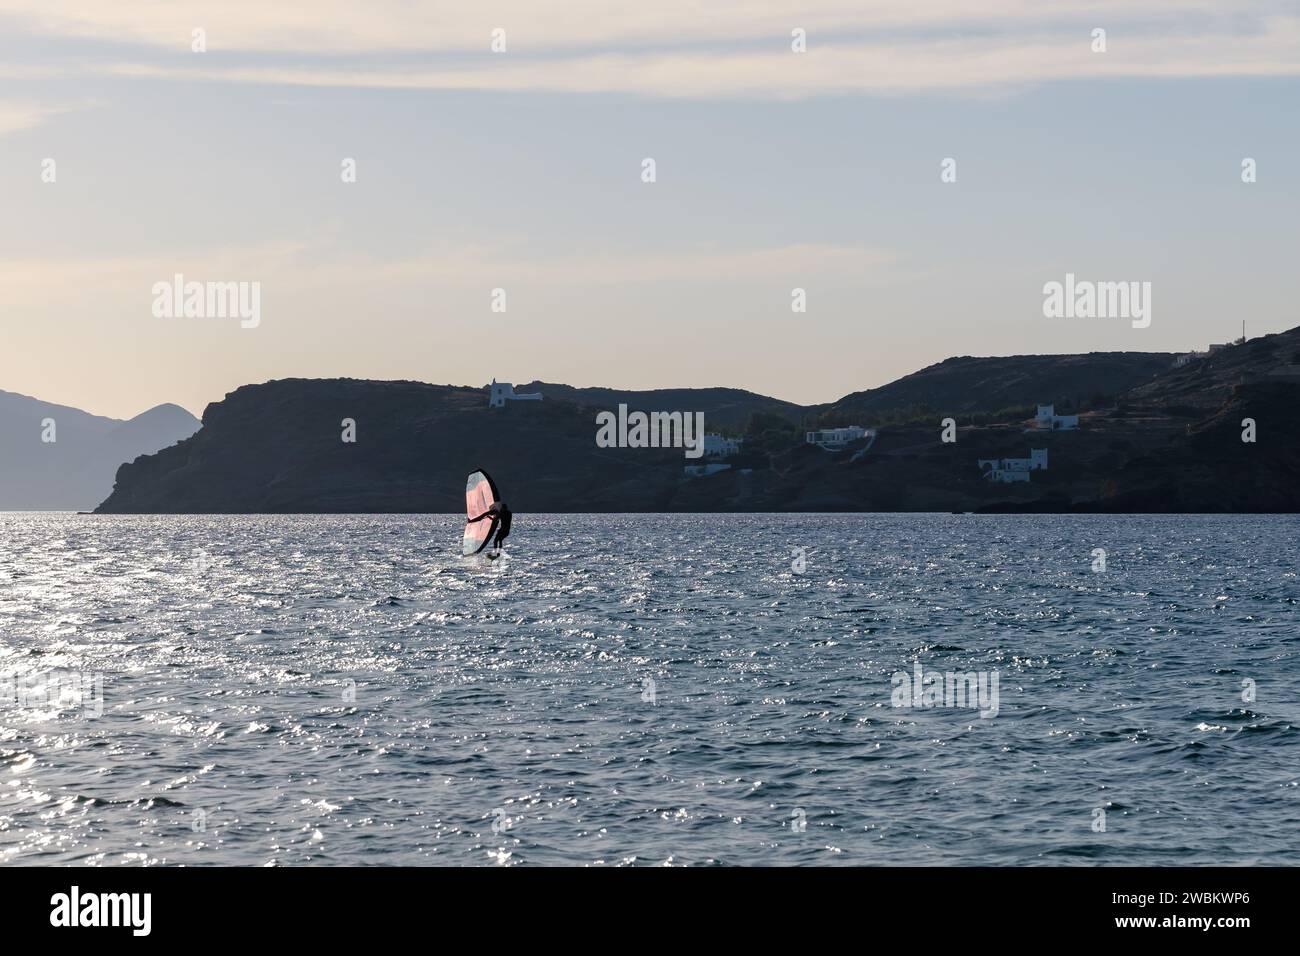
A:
x: 645, y: 690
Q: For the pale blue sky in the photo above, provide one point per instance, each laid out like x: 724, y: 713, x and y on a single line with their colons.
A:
x: 522, y: 170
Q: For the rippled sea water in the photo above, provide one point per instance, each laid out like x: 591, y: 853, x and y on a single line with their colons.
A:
x: 647, y: 689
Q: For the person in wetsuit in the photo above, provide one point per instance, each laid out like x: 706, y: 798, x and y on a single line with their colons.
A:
x: 501, y: 511
x: 504, y: 515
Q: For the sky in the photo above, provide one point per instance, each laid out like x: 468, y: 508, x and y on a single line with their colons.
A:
x: 522, y: 170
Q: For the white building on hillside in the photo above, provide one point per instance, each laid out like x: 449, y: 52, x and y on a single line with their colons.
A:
x: 1014, y: 469
x: 502, y: 392
x: 1048, y: 419
x: 833, y: 439
x: 720, y: 446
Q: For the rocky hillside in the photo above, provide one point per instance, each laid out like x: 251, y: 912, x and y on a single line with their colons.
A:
x: 1206, y: 383
x: 728, y: 409
x: 965, y: 385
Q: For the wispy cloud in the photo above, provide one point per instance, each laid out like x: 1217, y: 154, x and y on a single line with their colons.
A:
x: 344, y: 26
x: 15, y: 116
x: 674, y: 48
x: 38, y: 283
x: 304, y: 265
x: 467, y: 264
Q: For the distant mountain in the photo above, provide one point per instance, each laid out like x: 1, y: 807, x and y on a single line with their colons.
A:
x: 75, y: 471
x: 1154, y: 437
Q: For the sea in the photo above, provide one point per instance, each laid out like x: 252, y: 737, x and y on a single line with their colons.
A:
x: 752, y: 690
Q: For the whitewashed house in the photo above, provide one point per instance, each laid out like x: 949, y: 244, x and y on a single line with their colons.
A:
x: 1013, y: 469
x: 502, y: 392
x: 833, y: 439
x: 1048, y: 419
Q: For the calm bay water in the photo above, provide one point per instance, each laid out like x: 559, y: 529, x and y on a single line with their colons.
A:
x: 647, y: 689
